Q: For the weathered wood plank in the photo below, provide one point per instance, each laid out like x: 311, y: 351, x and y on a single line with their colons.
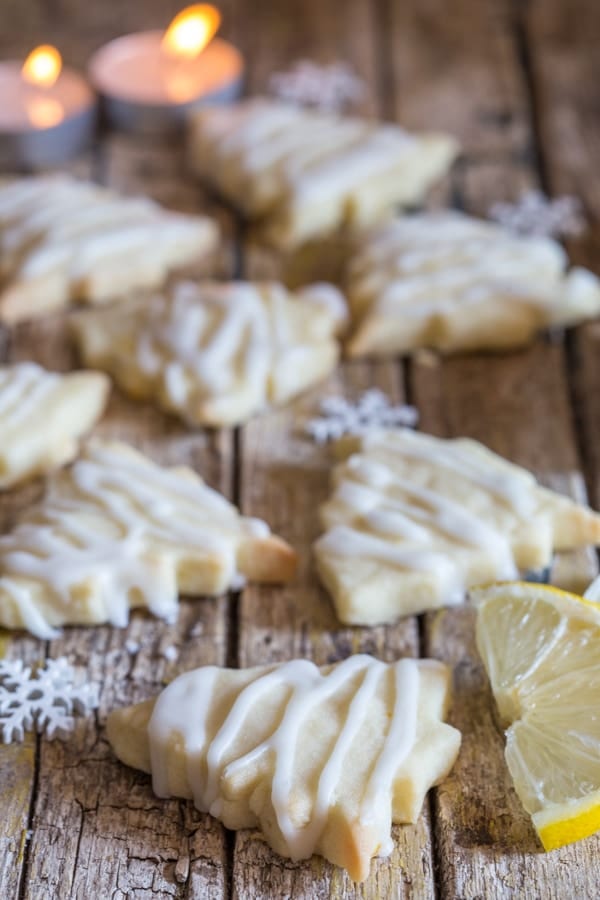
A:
x: 19, y: 763
x: 565, y: 70
x: 457, y: 71
x: 486, y: 842
x: 464, y: 72
x: 97, y: 828
x: 284, y: 479
x: 277, y: 35
x: 488, y: 846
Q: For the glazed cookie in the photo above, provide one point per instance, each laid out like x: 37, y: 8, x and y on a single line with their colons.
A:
x: 451, y: 282
x: 63, y: 240
x: 42, y: 417
x: 217, y: 354
x: 116, y: 531
x: 414, y: 521
x: 303, y: 174
x: 321, y: 760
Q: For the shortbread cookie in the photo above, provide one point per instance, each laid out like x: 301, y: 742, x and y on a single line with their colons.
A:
x: 63, y: 240
x: 415, y: 520
x: 42, y: 417
x: 116, y: 531
x: 302, y: 173
x: 451, y: 282
x: 321, y: 760
x: 217, y: 354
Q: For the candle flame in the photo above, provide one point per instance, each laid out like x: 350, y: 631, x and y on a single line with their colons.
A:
x: 191, y: 30
x: 42, y: 66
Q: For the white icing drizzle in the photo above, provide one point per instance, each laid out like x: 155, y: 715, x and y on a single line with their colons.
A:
x: 434, y: 263
x: 270, y: 135
x: 273, y: 159
x: 398, y: 743
x: 211, y: 340
x: 212, y: 337
x: 510, y: 485
x: 122, y: 521
x: 379, y: 512
x: 23, y: 390
x: 432, y: 509
x: 32, y: 617
x: 380, y: 150
x: 185, y: 708
x: 295, y: 150
x: 69, y: 228
x: 342, y: 540
x: 263, y: 122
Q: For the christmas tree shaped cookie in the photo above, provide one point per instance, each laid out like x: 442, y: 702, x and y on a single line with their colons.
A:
x: 452, y: 282
x: 63, y: 241
x: 217, y: 354
x: 414, y: 520
x: 321, y: 760
x: 303, y: 174
x: 116, y: 531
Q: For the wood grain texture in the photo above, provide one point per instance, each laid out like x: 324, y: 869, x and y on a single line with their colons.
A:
x: 97, y: 829
x: 17, y: 761
x: 19, y: 764
x: 285, y: 476
x: 458, y: 72
x: 517, y: 83
x: 487, y: 844
x: 565, y: 69
x: 519, y: 404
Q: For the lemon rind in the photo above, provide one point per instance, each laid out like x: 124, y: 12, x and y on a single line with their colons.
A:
x: 565, y: 823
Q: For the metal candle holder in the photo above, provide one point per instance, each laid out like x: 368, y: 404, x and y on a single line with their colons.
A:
x: 126, y: 74
x: 24, y: 145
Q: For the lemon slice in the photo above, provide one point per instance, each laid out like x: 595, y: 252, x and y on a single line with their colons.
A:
x: 541, y: 650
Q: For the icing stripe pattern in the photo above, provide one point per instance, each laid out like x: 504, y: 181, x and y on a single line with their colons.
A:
x: 23, y: 390
x: 185, y: 708
x: 311, y: 171
x: 88, y: 243
x: 115, y: 528
x: 450, y: 512
x: 423, y: 270
x: 218, y: 353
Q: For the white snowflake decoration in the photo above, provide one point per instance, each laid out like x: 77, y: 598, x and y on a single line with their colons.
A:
x: 330, y: 88
x: 538, y: 215
x: 44, y: 700
x: 372, y: 410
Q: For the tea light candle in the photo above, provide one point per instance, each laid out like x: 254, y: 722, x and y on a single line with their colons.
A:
x: 47, y: 112
x: 150, y: 80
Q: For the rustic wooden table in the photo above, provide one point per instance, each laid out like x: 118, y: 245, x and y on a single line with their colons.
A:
x: 518, y: 84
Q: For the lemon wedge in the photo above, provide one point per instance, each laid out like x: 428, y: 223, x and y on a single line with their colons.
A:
x: 541, y: 650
